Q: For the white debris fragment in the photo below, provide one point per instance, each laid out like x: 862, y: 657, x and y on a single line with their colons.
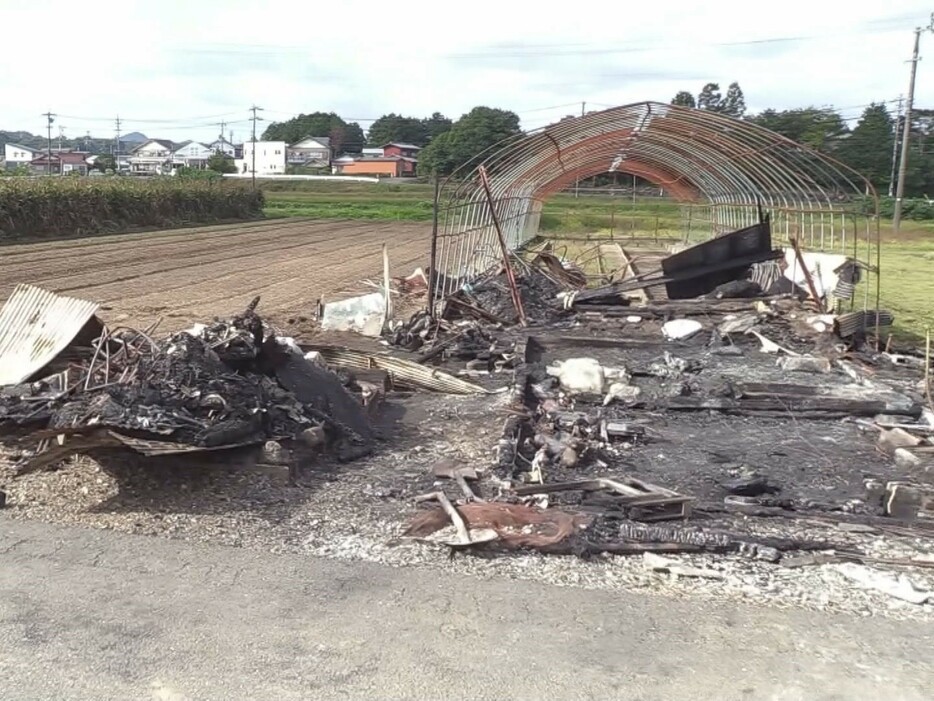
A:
x: 316, y: 358
x: 770, y: 346
x: 657, y: 563
x: 898, y: 586
x: 633, y: 319
x: 680, y: 329
x: 622, y: 392
x: 579, y: 375
x: 804, y: 363
x: 821, y: 322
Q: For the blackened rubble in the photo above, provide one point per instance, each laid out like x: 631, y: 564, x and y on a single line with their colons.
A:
x: 230, y: 383
x: 755, y: 418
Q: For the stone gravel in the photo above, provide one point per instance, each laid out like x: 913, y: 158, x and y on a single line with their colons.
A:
x: 358, y: 511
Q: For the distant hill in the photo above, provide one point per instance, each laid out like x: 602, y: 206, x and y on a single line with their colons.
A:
x: 92, y: 144
x: 24, y: 138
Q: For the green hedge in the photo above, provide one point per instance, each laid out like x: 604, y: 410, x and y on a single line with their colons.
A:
x: 54, y: 207
x: 915, y: 209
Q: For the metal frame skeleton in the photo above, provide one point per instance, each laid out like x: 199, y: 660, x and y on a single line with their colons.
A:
x: 720, y: 169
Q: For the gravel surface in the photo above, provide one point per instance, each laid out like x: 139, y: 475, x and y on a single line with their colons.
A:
x: 358, y: 511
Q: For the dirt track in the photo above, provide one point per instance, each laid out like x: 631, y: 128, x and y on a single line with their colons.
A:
x: 186, y: 275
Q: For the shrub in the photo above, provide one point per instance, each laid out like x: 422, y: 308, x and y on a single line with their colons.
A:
x: 51, y: 207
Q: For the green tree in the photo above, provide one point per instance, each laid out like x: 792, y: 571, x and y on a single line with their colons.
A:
x: 395, y: 127
x: 438, y: 157
x: 221, y: 163
x: 436, y: 125
x: 106, y: 162
x: 709, y: 97
x: 685, y: 99
x: 344, y: 136
x: 819, y: 128
x: 470, y: 136
x: 868, y: 149
x: 733, y: 103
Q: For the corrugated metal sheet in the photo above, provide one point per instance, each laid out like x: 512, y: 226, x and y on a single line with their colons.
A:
x: 35, y: 326
x: 153, y: 448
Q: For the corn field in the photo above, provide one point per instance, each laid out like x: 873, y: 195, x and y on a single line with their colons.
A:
x: 55, y: 207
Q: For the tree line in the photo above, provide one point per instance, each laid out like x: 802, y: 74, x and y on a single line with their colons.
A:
x: 869, y: 147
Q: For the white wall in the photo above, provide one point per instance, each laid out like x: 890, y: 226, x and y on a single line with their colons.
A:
x: 14, y: 155
x: 270, y: 157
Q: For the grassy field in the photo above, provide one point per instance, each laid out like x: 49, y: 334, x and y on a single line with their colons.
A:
x: 907, y: 263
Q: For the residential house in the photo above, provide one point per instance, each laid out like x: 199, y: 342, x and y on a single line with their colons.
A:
x: 191, y: 154
x: 16, y: 155
x: 310, y: 151
x: 394, y: 148
x: 383, y: 166
x: 60, y: 163
x: 152, y: 157
x: 372, y: 153
x: 221, y: 145
x: 269, y: 155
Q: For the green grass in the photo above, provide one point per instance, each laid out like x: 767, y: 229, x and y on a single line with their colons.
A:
x: 907, y: 284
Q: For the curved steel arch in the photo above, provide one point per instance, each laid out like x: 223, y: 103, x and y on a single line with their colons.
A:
x: 696, y: 156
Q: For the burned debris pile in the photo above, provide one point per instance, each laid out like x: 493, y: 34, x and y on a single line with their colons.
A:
x: 226, y: 384
x: 631, y: 400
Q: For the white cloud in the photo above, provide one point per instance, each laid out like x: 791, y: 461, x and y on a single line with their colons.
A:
x: 172, y: 64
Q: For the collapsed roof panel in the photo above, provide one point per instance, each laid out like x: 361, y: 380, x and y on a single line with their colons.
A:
x: 35, y: 326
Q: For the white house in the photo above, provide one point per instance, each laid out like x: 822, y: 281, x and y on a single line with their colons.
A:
x: 310, y: 151
x: 223, y: 146
x: 15, y: 155
x: 153, y: 156
x: 270, y: 158
x: 192, y: 154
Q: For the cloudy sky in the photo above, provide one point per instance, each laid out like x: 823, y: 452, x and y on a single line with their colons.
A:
x: 175, y: 68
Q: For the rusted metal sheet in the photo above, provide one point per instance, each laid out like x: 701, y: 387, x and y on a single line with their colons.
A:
x: 35, y: 326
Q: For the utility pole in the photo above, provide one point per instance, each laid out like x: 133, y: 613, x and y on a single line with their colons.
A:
x: 898, y: 122
x: 254, y: 109
x: 117, y: 146
x: 51, y: 118
x: 61, y: 137
x: 222, y: 125
x: 577, y: 181
x: 906, y: 130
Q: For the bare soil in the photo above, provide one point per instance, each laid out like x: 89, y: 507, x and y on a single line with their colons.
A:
x: 188, y: 275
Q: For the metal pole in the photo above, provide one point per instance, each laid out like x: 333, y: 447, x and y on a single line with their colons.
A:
x: 254, y: 109
x: 510, y: 273
x: 892, y: 178
x: 577, y: 181
x: 117, y: 148
x: 433, y: 263
x: 48, y: 166
x: 906, y: 133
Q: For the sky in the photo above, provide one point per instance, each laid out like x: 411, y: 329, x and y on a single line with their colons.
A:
x: 175, y: 69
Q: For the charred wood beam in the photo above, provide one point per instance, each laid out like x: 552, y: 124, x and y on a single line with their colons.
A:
x: 814, y: 406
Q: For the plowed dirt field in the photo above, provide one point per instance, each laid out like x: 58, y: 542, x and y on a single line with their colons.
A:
x: 186, y: 275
